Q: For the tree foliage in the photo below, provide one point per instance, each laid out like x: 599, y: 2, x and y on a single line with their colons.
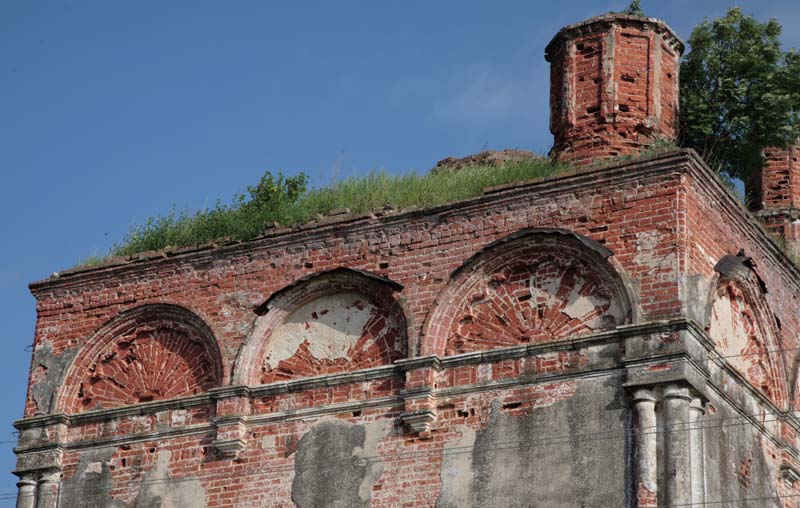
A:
x: 740, y: 92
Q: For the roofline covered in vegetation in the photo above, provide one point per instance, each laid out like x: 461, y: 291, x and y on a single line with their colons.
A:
x: 672, y: 159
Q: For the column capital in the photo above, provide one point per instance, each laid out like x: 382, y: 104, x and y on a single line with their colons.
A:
x: 676, y: 391
x: 697, y: 405
x: 26, y: 493
x: 643, y: 394
x: 51, y: 475
x: 26, y: 481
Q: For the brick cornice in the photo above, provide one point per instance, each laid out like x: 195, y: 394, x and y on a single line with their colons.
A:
x: 742, y: 219
x: 576, y: 180
x: 615, y: 17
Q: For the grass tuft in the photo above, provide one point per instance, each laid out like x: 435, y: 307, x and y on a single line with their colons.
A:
x: 287, y: 202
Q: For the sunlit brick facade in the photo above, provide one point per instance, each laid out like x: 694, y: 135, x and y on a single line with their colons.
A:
x: 623, y: 335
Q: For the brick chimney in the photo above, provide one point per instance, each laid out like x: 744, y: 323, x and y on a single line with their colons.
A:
x: 613, y: 87
x: 775, y: 194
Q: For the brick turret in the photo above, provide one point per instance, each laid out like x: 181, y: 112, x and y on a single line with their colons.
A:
x: 775, y: 194
x: 613, y: 86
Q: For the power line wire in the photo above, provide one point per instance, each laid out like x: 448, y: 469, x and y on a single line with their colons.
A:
x: 684, y: 360
x: 445, y: 451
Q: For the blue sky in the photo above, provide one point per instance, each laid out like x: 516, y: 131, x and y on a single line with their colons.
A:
x: 111, y: 112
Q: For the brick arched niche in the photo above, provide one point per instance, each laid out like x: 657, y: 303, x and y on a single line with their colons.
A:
x: 337, y: 321
x: 743, y: 329
x: 148, y: 353
x: 536, y: 286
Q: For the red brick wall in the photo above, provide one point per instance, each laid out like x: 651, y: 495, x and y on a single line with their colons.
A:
x: 645, y: 243
x: 411, y: 464
x: 780, y: 178
x: 636, y: 221
x: 709, y: 240
x: 613, y: 87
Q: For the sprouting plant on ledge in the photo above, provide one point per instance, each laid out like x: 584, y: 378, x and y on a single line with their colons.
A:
x: 634, y: 8
x: 287, y: 201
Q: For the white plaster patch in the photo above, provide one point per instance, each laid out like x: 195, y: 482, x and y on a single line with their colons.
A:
x: 728, y: 333
x: 579, y: 306
x: 646, y: 241
x: 709, y: 259
x: 457, y: 469
x: 543, y: 291
x: 485, y: 372
x: 93, y: 467
x: 734, y: 334
x: 169, y: 494
x: 374, y: 433
x: 331, y: 325
x: 268, y: 443
x: 179, y: 417
x: 141, y: 423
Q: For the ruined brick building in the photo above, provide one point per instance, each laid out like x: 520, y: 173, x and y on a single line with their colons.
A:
x: 623, y: 335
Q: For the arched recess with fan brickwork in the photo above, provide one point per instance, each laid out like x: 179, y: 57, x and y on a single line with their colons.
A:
x: 742, y: 328
x: 149, y: 353
x: 536, y: 286
x: 338, y: 321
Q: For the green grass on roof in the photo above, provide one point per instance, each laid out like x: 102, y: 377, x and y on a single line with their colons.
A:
x: 286, y: 201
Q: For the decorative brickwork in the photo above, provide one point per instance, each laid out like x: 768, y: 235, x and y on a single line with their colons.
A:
x: 151, y: 353
x: 333, y: 322
x: 384, y: 414
x: 613, y: 87
x: 775, y: 195
x: 780, y: 179
x: 742, y: 331
x: 584, y: 340
x: 538, y: 287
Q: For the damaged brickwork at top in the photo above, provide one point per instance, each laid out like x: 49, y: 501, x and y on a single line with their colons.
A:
x: 617, y: 336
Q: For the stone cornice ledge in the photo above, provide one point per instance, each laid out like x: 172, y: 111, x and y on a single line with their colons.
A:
x: 325, y: 380
x: 99, y: 415
x: 397, y: 369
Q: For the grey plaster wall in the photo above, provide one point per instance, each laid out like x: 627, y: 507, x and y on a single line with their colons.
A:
x: 544, y: 459
x: 159, y: 492
x: 738, y: 471
x: 351, y: 448
x: 91, y: 484
x: 44, y: 391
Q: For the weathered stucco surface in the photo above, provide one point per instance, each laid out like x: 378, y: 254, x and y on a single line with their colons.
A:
x: 741, y: 463
x: 336, y: 465
x: 47, y: 374
x: 331, y: 333
x: 543, y: 458
x: 738, y: 336
x: 92, y: 484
